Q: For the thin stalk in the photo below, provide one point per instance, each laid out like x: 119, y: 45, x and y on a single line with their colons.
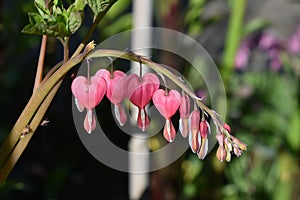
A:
x: 66, y: 49
x: 233, y: 36
x: 41, y: 61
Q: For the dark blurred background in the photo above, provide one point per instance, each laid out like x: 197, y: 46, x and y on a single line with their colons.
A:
x: 263, y: 107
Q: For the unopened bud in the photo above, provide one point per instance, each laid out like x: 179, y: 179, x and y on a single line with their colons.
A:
x: 203, y: 149
x: 221, y: 153
x: 203, y: 127
x: 240, y: 144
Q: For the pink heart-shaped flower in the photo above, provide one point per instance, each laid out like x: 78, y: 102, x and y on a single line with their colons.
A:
x: 139, y: 91
x: 114, y: 85
x: 115, y: 92
x: 88, y: 93
x: 167, y: 104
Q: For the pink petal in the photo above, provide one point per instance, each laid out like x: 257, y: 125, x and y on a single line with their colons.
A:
x: 115, y: 90
x: 169, y: 131
x: 143, y: 119
x: 78, y: 105
x: 184, y: 108
x: 120, y: 114
x: 167, y: 105
x: 184, y: 127
x: 89, y: 94
x: 89, y: 121
x: 140, y: 91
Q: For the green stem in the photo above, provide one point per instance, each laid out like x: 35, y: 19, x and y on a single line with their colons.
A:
x: 33, y: 104
x: 40, y: 66
x: 233, y: 37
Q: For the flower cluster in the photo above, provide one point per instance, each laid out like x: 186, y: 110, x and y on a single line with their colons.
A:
x: 140, y: 90
x: 228, y: 144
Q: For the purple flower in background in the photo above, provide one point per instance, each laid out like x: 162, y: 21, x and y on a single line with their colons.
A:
x: 243, y: 54
x: 293, y: 45
x: 267, y: 41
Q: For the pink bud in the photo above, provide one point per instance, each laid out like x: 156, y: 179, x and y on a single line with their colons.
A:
x: 184, y: 127
x: 204, y: 128
x: 240, y: 144
x: 139, y: 90
x: 194, y: 134
x: 227, y: 127
x: 220, y: 139
x: 184, y: 111
x: 203, y: 148
x: 184, y: 108
x: 167, y: 105
x: 221, y: 154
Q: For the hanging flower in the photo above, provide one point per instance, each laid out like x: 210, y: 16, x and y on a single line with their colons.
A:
x: 167, y: 103
x: 184, y: 111
x: 88, y: 94
x: 204, y: 131
x: 194, y: 133
x: 139, y: 91
x: 115, y: 92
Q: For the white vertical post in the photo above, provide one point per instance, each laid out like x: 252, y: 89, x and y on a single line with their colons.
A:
x: 142, y: 17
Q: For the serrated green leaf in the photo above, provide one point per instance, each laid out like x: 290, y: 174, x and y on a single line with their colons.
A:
x: 98, y: 6
x: 42, y: 9
x: 80, y: 4
x: 75, y: 21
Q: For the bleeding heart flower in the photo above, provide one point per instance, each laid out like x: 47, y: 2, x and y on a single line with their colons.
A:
x: 167, y: 104
x: 139, y: 91
x: 88, y: 94
x: 204, y: 130
x: 194, y: 133
x: 115, y: 91
x: 184, y: 111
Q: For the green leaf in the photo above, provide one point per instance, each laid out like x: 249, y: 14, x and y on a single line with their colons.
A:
x: 80, y: 4
x: 42, y: 9
x: 98, y: 6
x: 75, y: 20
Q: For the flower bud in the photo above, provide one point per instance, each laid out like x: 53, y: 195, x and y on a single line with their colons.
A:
x: 203, y: 149
x: 204, y: 128
x: 227, y: 127
x: 194, y: 133
x: 221, y: 153
x: 240, y: 144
